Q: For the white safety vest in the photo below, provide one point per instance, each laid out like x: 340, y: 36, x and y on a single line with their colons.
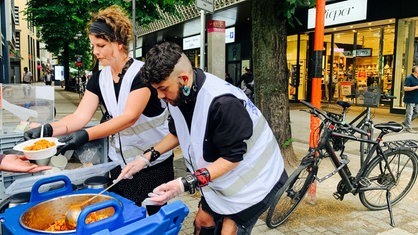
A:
x: 145, y: 133
x: 256, y: 174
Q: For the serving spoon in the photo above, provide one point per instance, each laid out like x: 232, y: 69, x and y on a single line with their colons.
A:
x: 42, y: 131
x: 74, y: 211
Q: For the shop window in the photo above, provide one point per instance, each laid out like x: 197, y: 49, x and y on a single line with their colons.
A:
x: 358, y: 58
x: 297, y: 66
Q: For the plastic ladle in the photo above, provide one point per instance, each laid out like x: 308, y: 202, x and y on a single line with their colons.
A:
x: 74, y: 211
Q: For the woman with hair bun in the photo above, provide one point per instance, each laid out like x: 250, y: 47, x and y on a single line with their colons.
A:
x: 135, y: 119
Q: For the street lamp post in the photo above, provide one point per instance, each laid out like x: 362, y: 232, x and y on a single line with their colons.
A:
x: 134, y: 27
x: 133, y: 24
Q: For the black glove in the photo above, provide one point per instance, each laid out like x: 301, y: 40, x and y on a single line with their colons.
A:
x: 36, y: 132
x: 73, y: 141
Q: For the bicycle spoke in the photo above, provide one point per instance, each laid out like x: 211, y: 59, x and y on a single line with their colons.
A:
x: 291, y: 194
x: 398, y: 175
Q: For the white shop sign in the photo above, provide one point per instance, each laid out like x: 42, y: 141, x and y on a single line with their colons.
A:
x: 206, y: 5
x: 230, y: 35
x: 191, y: 42
x: 340, y: 13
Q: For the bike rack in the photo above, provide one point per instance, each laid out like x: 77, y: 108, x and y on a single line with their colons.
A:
x: 396, y: 144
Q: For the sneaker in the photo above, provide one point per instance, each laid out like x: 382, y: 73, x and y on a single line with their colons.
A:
x: 410, y: 130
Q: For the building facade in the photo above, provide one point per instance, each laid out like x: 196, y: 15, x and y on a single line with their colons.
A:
x: 366, y: 43
x: 19, y: 44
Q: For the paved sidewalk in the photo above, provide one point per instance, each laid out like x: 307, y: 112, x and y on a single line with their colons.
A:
x: 327, y: 216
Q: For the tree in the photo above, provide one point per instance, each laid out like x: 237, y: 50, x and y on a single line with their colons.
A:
x: 60, y: 20
x: 270, y: 19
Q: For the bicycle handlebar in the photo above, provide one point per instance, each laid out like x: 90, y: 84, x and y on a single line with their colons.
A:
x: 383, y: 96
x: 345, y: 126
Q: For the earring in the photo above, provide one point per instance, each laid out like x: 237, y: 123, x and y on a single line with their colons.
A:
x: 186, y: 90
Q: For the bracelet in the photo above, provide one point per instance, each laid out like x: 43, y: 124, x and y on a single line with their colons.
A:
x: 154, y: 154
x: 200, y: 178
x: 147, y: 163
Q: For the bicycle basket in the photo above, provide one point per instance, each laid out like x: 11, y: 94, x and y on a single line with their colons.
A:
x: 368, y: 97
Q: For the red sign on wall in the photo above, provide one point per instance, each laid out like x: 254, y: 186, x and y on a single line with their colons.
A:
x: 216, y: 26
x: 362, y: 74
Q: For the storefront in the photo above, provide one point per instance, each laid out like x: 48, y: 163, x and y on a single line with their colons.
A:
x: 360, y: 50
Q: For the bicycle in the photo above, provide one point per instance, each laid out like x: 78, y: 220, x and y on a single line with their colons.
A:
x: 363, y: 120
x: 385, y: 177
x: 81, y: 89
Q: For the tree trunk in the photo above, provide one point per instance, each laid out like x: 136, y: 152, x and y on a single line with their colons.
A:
x: 269, y: 43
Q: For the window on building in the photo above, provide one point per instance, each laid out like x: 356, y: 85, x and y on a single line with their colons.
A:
x: 17, y: 18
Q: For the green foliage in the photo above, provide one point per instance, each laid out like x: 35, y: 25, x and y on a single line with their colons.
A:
x: 60, y: 20
x: 289, y: 7
x: 288, y: 142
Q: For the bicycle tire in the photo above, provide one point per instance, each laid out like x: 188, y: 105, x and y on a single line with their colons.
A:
x: 81, y: 92
x: 290, y: 195
x: 404, y: 164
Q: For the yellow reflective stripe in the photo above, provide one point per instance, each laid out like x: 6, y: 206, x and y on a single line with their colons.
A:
x: 257, y: 131
x: 252, y: 173
x: 258, y: 166
x: 142, y: 127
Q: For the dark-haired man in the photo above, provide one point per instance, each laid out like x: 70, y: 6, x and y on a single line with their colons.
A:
x: 236, y: 165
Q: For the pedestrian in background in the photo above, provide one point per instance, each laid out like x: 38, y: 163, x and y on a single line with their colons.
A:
x: 247, y: 83
x: 48, y: 78
x: 134, y: 117
x: 27, y: 80
x: 237, y: 166
x: 411, y: 99
x: 228, y: 78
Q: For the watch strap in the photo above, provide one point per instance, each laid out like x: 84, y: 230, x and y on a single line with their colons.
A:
x: 154, y: 154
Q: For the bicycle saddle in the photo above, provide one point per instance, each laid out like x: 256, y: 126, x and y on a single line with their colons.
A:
x: 392, y: 126
x: 344, y: 104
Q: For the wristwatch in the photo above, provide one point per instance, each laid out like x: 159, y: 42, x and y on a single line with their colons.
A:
x: 189, y: 183
x: 154, y: 154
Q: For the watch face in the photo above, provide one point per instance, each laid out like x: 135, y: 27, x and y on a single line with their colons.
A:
x: 189, y: 179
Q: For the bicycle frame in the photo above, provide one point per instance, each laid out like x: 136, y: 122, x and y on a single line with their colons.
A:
x: 342, y: 167
x: 378, y: 177
x: 367, y: 122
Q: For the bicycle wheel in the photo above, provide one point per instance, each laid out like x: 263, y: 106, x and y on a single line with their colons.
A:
x: 403, y: 164
x: 289, y: 196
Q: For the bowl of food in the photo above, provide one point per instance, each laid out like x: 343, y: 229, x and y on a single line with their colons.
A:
x: 39, y: 149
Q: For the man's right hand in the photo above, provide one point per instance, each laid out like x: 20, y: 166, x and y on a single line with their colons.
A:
x: 133, y: 167
x: 36, y: 132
